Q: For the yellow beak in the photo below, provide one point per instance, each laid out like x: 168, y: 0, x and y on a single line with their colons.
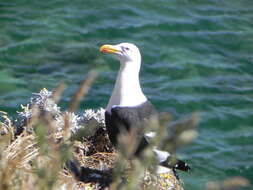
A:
x: 108, y: 49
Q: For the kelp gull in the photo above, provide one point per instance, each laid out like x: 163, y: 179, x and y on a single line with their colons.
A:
x: 129, y: 109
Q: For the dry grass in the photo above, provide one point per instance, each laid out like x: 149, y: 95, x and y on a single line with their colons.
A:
x: 42, y: 152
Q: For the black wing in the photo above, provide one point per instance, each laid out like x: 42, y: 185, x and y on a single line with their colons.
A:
x: 129, y: 118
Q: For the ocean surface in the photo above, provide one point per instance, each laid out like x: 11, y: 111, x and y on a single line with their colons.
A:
x: 197, y: 57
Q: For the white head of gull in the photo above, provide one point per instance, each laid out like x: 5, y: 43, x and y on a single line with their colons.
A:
x: 127, y: 90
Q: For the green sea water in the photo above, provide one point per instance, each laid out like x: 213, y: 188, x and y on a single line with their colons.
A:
x: 197, y: 57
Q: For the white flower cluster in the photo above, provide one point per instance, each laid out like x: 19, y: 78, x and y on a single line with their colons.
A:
x: 44, y: 102
x: 98, y: 115
x: 90, y: 117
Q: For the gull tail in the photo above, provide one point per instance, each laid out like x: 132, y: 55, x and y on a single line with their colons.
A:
x: 176, y: 164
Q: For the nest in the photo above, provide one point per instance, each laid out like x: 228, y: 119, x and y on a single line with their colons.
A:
x: 95, y: 159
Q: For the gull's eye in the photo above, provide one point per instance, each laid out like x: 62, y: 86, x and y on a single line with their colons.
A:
x: 124, y: 49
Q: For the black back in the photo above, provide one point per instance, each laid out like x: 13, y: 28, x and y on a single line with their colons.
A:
x: 129, y: 118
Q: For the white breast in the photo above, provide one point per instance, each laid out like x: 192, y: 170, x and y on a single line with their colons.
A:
x: 127, y: 91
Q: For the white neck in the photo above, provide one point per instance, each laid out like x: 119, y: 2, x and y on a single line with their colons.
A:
x: 127, y: 90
